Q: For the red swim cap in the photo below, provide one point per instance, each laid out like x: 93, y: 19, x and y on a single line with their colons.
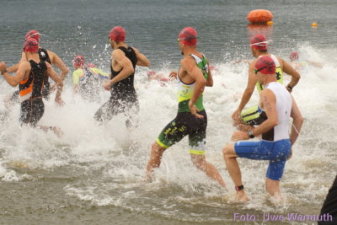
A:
x: 33, y: 34
x: 31, y: 45
x: 188, y: 36
x: 294, y: 56
x: 265, y: 65
x: 259, y: 42
x: 117, y: 34
x: 78, y: 61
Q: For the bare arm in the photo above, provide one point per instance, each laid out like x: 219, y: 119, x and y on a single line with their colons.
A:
x: 247, y: 94
x: 23, y: 68
x: 268, y: 101
x: 125, y: 63
x: 142, y: 60
x: 295, y: 76
x: 297, y: 122
x: 58, y: 62
x: 209, y: 81
x: 14, y: 68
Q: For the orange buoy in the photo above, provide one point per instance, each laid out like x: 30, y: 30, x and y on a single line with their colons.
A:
x: 259, y: 16
x: 314, y: 24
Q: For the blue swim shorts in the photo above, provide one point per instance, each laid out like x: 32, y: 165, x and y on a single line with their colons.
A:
x: 276, y: 152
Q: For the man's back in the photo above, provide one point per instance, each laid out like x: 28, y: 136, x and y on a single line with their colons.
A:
x: 283, y: 109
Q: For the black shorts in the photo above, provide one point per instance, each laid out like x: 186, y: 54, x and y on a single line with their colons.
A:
x: 185, y: 124
x: 32, y: 111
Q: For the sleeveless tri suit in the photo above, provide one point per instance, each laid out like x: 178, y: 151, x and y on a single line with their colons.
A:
x: 185, y: 123
x: 30, y: 92
x: 123, y: 94
x: 275, y: 144
x: 44, y: 57
x: 254, y: 115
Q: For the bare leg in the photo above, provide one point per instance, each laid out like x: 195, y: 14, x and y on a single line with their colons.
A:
x: 273, y: 188
x: 234, y: 171
x: 200, y: 162
x: 154, y: 161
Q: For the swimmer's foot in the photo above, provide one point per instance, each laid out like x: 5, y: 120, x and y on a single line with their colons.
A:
x: 277, y: 199
x: 241, y: 197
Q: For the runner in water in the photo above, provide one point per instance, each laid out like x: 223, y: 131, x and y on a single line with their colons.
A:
x: 254, y: 115
x: 47, y: 56
x: 124, y: 60
x: 191, y: 120
x: 276, y: 143
x: 87, y: 79
x: 30, y: 77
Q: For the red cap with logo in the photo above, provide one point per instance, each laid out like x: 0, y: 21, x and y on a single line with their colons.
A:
x: 117, y: 34
x: 259, y: 42
x: 31, y: 45
x: 78, y: 61
x: 188, y: 36
x: 265, y: 65
x: 33, y: 34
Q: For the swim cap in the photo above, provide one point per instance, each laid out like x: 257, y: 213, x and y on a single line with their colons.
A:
x: 78, y: 61
x: 259, y: 42
x: 265, y: 65
x: 31, y: 45
x: 294, y: 56
x: 117, y: 34
x: 33, y: 34
x: 188, y: 36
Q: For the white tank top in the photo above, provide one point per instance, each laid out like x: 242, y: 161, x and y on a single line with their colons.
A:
x: 283, y: 108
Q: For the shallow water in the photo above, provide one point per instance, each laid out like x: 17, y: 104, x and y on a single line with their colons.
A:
x: 94, y: 174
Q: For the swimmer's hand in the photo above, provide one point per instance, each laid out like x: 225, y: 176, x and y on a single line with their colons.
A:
x: 107, y: 85
x: 173, y: 75
x: 194, y: 110
x: 240, y: 135
x: 236, y: 117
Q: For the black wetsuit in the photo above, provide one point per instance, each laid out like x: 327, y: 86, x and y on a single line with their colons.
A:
x: 32, y: 109
x: 123, y: 94
x: 330, y: 206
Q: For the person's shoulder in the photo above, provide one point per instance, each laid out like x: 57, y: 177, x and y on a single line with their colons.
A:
x: 117, y: 52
